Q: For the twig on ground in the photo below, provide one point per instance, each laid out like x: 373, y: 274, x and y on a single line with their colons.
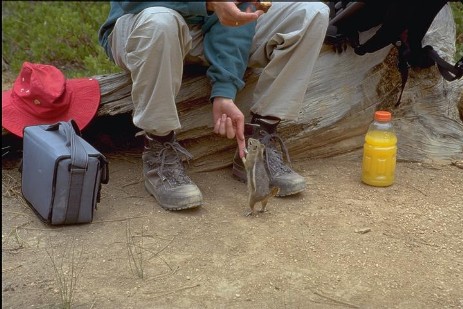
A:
x: 166, y: 274
x: 165, y: 262
x: 162, y: 249
x: 11, y: 187
x: 135, y: 252
x: 413, y: 187
x: 14, y: 232
x: 119, y: 220
x: 134, y: 196
x: 135, y: 182
x: 16, y: 213
x: 39, y: 229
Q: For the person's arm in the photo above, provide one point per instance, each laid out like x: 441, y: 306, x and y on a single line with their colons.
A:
x: 226, y: 47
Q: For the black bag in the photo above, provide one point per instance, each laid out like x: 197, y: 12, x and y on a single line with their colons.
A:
x: 61, y: 174
x: 402, y: 23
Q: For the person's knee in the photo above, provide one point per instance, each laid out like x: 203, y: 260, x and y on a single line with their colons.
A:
x: 308, y: 12
x: 323, y: 14
x: 323, y: 11
x: 319, y: 12
x: 159, y: 20
x: 160, y: 29
x: 316, y: 9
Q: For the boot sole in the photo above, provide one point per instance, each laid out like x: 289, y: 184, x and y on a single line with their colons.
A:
x: 240, y: 174
x: 293, y: 192
x: 190, y: 205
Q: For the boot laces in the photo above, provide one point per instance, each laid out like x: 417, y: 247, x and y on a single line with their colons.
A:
x: 168, y: 164
x: 274, y: 157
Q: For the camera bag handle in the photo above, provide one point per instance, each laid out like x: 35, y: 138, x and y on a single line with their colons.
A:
x: 77, y: 168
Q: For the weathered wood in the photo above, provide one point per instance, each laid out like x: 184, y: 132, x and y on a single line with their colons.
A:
x: 339, y: 104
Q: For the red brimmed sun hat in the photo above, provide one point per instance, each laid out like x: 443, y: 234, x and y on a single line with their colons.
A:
x: 42, y: 95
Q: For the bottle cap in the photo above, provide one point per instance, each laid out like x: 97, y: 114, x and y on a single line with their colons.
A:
x: 383, y: 116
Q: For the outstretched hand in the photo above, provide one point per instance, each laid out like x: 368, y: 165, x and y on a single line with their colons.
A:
x: 229, y: 121
x: 230, y: 15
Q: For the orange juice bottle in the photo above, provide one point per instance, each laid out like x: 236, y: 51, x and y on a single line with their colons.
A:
x: 379, y: 152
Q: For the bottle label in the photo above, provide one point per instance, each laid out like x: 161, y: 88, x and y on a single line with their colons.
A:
x: 379, y: 164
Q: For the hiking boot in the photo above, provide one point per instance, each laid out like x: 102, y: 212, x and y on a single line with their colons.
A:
x: 165, y: 176
x: 281, y: 175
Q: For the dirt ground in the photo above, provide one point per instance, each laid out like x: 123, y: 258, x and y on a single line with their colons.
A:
x: 340, y: 244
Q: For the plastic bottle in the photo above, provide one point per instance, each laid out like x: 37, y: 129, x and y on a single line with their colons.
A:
x: 379, y: 151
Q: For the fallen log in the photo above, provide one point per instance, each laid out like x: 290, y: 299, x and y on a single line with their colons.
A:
x: 339, y: 104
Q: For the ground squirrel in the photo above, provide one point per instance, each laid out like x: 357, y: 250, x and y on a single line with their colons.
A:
x: 257, y: 176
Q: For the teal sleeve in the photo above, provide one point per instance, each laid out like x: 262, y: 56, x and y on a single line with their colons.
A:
x: 227, y: 51
x: 197, y: 8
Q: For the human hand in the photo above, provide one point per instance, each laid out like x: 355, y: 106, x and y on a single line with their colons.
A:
x: 230, y: 15
x: 229, y: 121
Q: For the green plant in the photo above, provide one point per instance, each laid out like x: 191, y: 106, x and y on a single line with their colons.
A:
x: 67, y: 266
x: 135, y: 251
x: 65, y: 34
x: 61, y: 33
x: 457, y: 9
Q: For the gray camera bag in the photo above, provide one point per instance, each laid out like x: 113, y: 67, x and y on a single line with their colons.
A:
x: 61, y: 173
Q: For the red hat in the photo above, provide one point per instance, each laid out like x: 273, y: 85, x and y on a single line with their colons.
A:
x: 42, y: 95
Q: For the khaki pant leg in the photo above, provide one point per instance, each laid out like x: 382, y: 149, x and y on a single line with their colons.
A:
x: 152, y: 45
x: 287, y: 44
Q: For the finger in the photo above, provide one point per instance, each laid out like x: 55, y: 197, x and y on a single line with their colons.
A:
x: 217, y: 126
x: 248, y: 17
x: 240, y: 136
x: 244, y: 17
x: 229, y: 128
x: 222, y: 127
x: 241, y: 146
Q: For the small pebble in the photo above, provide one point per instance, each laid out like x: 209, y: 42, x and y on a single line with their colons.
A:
x: 363, y: 231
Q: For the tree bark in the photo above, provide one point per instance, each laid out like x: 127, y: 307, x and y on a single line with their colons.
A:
x: 345, y: 91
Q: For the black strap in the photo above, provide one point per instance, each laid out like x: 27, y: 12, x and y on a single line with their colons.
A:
x: 448, y: 71
x: 77, y: 169
x: 404, y: 76
x: 75, y: 192
x: 402, y: 65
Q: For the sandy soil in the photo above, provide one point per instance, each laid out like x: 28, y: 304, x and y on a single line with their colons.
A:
x: 340, y: 244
